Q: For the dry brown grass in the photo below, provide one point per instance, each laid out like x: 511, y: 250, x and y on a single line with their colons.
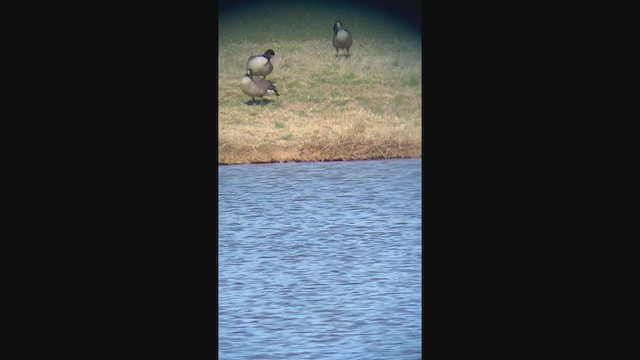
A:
x: 368, y: 106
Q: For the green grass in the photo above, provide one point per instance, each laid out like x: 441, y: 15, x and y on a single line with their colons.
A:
x: 306, y: 20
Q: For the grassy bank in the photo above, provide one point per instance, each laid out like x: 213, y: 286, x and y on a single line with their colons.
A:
x: 367, y: 106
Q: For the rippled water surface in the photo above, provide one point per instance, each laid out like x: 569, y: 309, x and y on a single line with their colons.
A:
x: 320, y: 260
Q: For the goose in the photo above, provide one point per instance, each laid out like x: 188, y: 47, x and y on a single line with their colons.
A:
x: 261, y: 64
x: 256, y: 87
x: 341, y: 37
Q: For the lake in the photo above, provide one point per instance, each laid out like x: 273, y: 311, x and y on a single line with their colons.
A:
x: 320, y: 260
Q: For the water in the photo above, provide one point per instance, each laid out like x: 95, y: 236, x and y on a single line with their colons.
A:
x: 320, y: 260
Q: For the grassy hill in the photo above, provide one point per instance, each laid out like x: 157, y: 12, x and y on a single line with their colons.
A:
x: 365, y: 106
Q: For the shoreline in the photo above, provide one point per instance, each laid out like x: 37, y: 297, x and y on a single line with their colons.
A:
x: 267, y: 153
x: 320, y: 160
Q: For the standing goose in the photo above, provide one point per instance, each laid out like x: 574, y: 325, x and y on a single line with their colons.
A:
x: 341, y: 37
x: 256, y: 87
x: 261, y: 64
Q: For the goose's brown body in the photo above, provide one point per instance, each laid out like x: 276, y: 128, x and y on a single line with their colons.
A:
x: 261, y: 64
x: 341, y: 37
x: 256, y: 87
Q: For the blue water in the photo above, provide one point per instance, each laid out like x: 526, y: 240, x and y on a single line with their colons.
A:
x: 320, y: 260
